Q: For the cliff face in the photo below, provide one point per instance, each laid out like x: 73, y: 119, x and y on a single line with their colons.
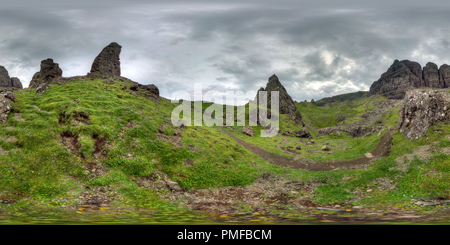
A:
x: 404, y: 75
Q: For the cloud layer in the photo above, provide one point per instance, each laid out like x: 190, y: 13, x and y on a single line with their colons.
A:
x: 317, y: 50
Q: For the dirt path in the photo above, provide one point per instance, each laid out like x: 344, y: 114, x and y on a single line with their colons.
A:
x: 382, y: 149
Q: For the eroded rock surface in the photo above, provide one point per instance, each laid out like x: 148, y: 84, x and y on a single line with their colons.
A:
x: 286, y: 103
x: 5, y: 108
x: 421, y: 109
x: 49, y: 72
x: 107, y: 62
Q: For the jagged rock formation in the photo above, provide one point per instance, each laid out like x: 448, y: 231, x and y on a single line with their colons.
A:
x: 15, y: 82
x: 286, y: 104
x: 8, y: 82
x: 422, y: 108
x: 49, y: 72
x: 107, y: 62
x: 405, y: 75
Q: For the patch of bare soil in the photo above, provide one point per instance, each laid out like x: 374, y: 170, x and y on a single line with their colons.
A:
x: 175, y: 139
x: 70, y: 141
x: 81, y: 118
x: 422, y: 153
x: 3, y: 152
x: 96, y: 196
x: 264, y: 193
x: 18, y: 117
x: 382, y: 149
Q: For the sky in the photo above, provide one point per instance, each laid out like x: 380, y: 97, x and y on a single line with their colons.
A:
x: 317, y: 49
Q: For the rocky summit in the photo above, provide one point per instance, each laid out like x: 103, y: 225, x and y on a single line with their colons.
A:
x: 286, y: 103
x: 404, y: 75
x: 107, y: 62
x: 6, y: 81
x: 50, y: 71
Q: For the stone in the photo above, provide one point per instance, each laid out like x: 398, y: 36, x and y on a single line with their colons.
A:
x: 10, y: 95
x: 248, y: 131
x: 42, y: 88
x: 173, y: 186
x: 369, y: 155
x: 49, y: 72
x: 431, y: 76
x: 15, y: 83
x: 134, y: 86
x: 107, y: 62
x: 5, y: 108
x: 298, y: 147
x: 422, y: 108
x: 325, y: 148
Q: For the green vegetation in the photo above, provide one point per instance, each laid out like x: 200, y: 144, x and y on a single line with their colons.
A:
x: 88, y: 136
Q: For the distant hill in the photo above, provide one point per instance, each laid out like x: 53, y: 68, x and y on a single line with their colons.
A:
x: 342, y: 97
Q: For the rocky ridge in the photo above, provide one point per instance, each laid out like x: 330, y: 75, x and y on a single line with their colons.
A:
x: 405, y: 75
x: 8, y: 82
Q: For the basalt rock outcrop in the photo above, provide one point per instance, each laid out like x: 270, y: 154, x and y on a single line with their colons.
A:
x: 49, y: 72
x: 422, y: 108
x: 286, y: 103
x: 107, y: 63
x: 8, y: 82
x: 406, y: 75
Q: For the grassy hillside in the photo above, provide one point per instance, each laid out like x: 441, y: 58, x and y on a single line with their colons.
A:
x: 89, y: 145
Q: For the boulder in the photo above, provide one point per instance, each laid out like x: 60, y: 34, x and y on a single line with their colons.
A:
x: 10, y: 95
x: 325, y: 148
x: 107, y: 62
x: 248, y: 131
x: 369, y: 155
x: 42, y: 88
x: 151, y: 90
x: 5, y: 108
x: 421, y: 109
x: 49, y: 72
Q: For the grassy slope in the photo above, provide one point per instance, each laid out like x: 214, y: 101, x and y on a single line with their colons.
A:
x: 39, y: 170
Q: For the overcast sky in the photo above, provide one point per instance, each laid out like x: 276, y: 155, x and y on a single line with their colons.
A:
x: 316, y: 49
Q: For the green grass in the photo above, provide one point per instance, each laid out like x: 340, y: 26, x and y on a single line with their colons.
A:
x: 51, y: 140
